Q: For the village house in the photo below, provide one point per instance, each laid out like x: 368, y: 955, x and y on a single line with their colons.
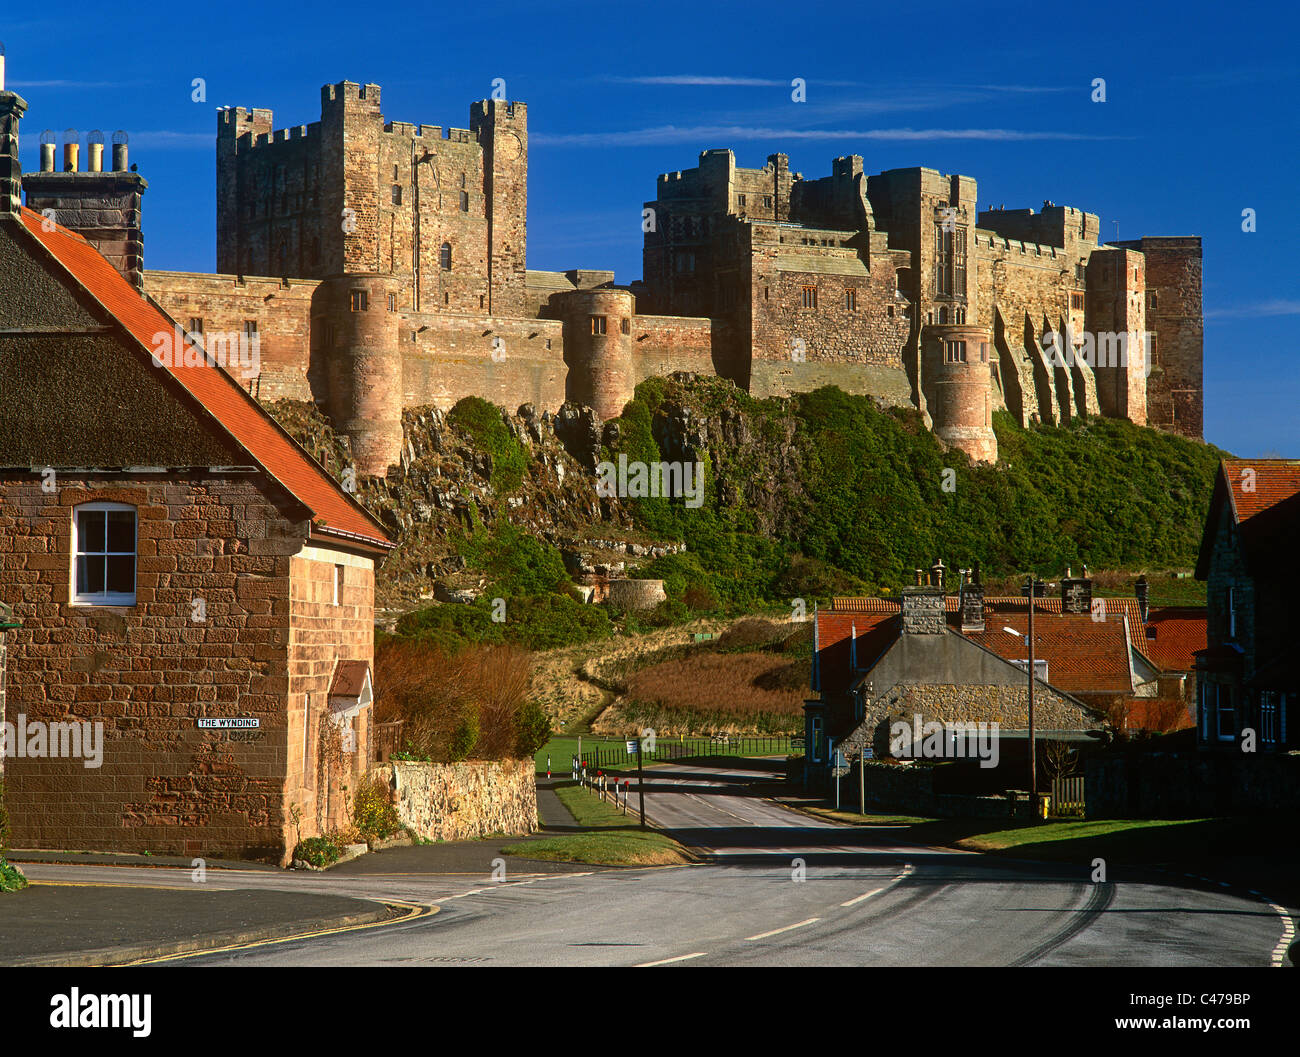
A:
x: 962, y: 658
x: 1249, y: 671
x: 186, y: 579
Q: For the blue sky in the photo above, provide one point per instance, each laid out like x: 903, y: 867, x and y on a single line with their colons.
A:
x: 1199, y: 121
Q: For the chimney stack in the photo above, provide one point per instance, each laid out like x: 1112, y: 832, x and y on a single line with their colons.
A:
x: 102, y: 207
x: 12, y: 108
x: 1076, y: 593
x: 71, y: 150
x: 972, y: 602
x: 1143, y: 591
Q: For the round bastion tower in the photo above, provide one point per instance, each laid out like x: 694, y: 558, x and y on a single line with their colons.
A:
x: 598, y: 349
x: 364, y: 365
x: 956, y: 380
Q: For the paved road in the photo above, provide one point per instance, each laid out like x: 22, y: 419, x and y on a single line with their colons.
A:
x: 778, y: 888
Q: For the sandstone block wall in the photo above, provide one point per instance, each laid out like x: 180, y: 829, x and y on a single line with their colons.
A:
x: 464, y: 801
x: 149, y: 671
x: 282, y: 310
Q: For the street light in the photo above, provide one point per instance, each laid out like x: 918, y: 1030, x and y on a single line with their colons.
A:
x: 1032, y: 587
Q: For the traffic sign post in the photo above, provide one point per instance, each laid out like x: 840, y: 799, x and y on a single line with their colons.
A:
x: 640, y: 778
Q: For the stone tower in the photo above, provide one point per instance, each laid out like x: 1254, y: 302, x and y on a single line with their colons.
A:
x: 598, y: 349
x: 958, y: 388
x: 502, y: 131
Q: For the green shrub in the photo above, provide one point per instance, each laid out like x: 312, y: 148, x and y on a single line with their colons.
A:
x: 465, y: 737
x: 10, y: 879
x: 373, y: 812
x: 532, y: 729
x: 318, y: 851
x: 482, y: 422
x: 4, y: 819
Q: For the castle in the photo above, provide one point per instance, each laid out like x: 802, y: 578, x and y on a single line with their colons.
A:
x: 380, y: 265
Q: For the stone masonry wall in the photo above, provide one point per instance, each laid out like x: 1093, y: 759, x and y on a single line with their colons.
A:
x: 464, y: 801
x: 147, y: 672
x: 281, y: 308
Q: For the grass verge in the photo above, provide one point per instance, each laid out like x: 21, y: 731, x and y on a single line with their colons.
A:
x: 610, y: 838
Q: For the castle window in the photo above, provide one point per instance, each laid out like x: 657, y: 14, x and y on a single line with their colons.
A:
x: 627, y: 326
x: 740, y: 201
x: 1076, y: 300
x: 943, y: 315
x: 360, y: 301
x: 394, y: 174
x: 960, y: 313
x: 767, y: 201
x: 851, y: 300
x: 686, y: 262
x: 808, y: 297
x: 104, y: 542
x: 338, y: 585
x: 954, y: 352
x: 950, y: 262
x: 195, y: 329
x: 548, y: 343
x: 889, y: 311
x: 480, y: 300
x: 444, y: 256
x: 598, y: 324
x: 397, y: 194
x: 250, y: 329
x: 392, y: 302
x: 464, y: 180
x: 464, y: 201
x: 1154, y: 301
x: 984, y: 352
x: 767, y: 293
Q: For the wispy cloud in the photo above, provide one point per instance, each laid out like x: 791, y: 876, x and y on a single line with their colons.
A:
x: 67, y: 84
x: 1276, y: 307
x: 673, y: 134
x: 705, y: 79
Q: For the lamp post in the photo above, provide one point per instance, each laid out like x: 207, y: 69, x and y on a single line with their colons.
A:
x: 1032, y: 588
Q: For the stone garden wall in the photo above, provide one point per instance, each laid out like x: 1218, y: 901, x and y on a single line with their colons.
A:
x: 463, y: 801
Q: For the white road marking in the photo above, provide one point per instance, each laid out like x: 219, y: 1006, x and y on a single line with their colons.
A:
x: 865, y: 895
x: 1288, y: 934
x: 668, y: 961
x: 775, y: 932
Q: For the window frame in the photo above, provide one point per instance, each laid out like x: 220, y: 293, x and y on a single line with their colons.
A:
x: 104, y: 598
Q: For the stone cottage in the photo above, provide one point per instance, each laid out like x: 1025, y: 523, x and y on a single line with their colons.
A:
x: 195, y: 594
x: 876, y: 666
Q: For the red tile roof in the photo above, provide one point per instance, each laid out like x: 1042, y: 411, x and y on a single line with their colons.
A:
x: 1083, y: 656
x: 1256, y: 485
x: 233, y: 408
x: 1179, y: 630
x: 875, y: 632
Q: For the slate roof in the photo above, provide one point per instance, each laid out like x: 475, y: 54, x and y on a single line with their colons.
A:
x: 333, y: 510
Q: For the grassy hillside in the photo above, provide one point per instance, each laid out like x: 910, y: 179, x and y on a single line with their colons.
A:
x: 862, y: 494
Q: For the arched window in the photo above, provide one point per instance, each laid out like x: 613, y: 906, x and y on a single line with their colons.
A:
x: 444, y: 256
x: 104, y: 542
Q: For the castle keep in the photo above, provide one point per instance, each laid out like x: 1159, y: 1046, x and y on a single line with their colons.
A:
x: 380, y: 264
